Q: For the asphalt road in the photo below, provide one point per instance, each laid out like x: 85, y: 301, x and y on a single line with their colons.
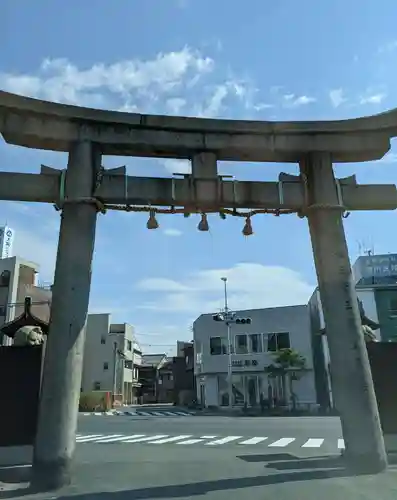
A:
x: 106, y: 469
x: 288, y: 433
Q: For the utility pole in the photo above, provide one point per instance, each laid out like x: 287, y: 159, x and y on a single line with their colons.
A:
x: 115, y: 359
x: 60, y: 392
x: 353, y: 388
x: 228, y: 317
x: 229, y: 347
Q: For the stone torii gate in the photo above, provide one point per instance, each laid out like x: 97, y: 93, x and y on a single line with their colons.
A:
x: 86, y: 188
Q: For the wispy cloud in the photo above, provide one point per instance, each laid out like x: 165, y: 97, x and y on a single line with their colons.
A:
x: 373, y: 99
x: 172, y: 232
x: 337, y: 97
x: 292, y: 100
x: 252, y: 285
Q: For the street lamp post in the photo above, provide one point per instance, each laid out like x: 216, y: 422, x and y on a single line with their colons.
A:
x: 228, y: 317
x: 229, y: 348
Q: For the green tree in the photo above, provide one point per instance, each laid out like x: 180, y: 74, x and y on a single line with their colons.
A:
x: 288, y: 364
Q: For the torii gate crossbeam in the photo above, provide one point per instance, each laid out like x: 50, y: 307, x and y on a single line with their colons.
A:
x: 87, y: 134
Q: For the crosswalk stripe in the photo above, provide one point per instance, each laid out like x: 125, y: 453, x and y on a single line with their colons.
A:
x: 183, y: 414
x: 169, y: 413
x: 280, y: 443
x: 227, y: 439
x: 157, y: 413
x: 89, y: 436
x: 313, y: 443
x: 85, y: 439
x: 144, y: 413
x: 121, y: 438
x: 170, y: 440
x: 191, y: 441
x: 208, y: 437
x: 254, y: 440
x: 341, y: 444
x: 147, y: 438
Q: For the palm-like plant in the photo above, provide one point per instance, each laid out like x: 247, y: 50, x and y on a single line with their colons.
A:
x: 288, y: 364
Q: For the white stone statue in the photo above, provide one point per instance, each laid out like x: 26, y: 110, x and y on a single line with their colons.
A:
x: 29, y: 336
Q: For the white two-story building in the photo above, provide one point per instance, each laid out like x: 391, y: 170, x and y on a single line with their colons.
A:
x: 112, y: 358
x: 270, y: 330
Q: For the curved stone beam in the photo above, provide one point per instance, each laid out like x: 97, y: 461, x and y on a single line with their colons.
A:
x: 46, y: 125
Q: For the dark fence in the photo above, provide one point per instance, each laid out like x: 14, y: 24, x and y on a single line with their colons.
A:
x: 383, y: 360
x: 20, y: 372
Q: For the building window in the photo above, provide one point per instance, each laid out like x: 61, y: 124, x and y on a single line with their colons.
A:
x: 129, y: 345
x: 3, y: 310
x: 218, y: 345
x: 128, y: 364
x: 97, y: 386
x: 255, y: 342
x: 103, y: 340
x: 241, y: 344
x: 106, y: 365
x: 277, y: 341
x: 393, y: 307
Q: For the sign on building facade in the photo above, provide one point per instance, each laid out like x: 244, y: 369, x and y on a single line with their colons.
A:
x: 6, y: 242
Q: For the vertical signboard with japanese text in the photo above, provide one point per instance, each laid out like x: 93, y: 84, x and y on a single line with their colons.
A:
x: 6, y: 242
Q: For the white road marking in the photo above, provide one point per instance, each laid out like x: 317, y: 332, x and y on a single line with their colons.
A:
x: 191, y: 441
x: 144, y: 413
x: 254, y: 440
x: 169, y: 413
x: 208, y: 437
x: 147, y: 438
x: 86, y: 439
x: 341, y: 444
x: 183, y: 414
x: 157, y: 413
x: 170, y: 440
x: 280, y: 443
x: 97, y: 414
x: 88, y: 436
x: 121, y: 438
x: 225, y: 440
x: 313, y: 443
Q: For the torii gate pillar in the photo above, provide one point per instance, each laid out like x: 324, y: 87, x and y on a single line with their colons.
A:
x: 352, y: 384
x: 58, y: 409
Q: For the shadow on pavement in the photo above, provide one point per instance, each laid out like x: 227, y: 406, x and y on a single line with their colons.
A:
x: 316, y: 468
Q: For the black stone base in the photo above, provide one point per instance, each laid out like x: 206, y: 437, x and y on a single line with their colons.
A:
x: 51, y: 475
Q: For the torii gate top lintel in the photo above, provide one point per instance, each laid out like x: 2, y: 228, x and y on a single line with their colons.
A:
x: 56, y: 125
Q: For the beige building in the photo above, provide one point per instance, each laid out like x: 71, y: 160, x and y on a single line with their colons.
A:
x: 112, y: 357
x: 18, y: 279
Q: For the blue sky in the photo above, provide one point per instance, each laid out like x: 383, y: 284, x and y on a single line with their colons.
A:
x: 284, y: 60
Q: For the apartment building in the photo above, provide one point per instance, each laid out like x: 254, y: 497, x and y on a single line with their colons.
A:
x: 18, y: 279
x: 375, y: 278
x: 252, y: 346
x: 112, y: 358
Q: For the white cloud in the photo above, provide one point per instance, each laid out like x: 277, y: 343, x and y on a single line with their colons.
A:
x: 250, y: 286
x: 162, y: 285
x: 39, y: 247
x: 177, y: 166
x: 175, y: 105
x: 172, y: 232
x: 337, y: 97
x: 373, y: 99
x: 291, y: 100
x: 61, y: 81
